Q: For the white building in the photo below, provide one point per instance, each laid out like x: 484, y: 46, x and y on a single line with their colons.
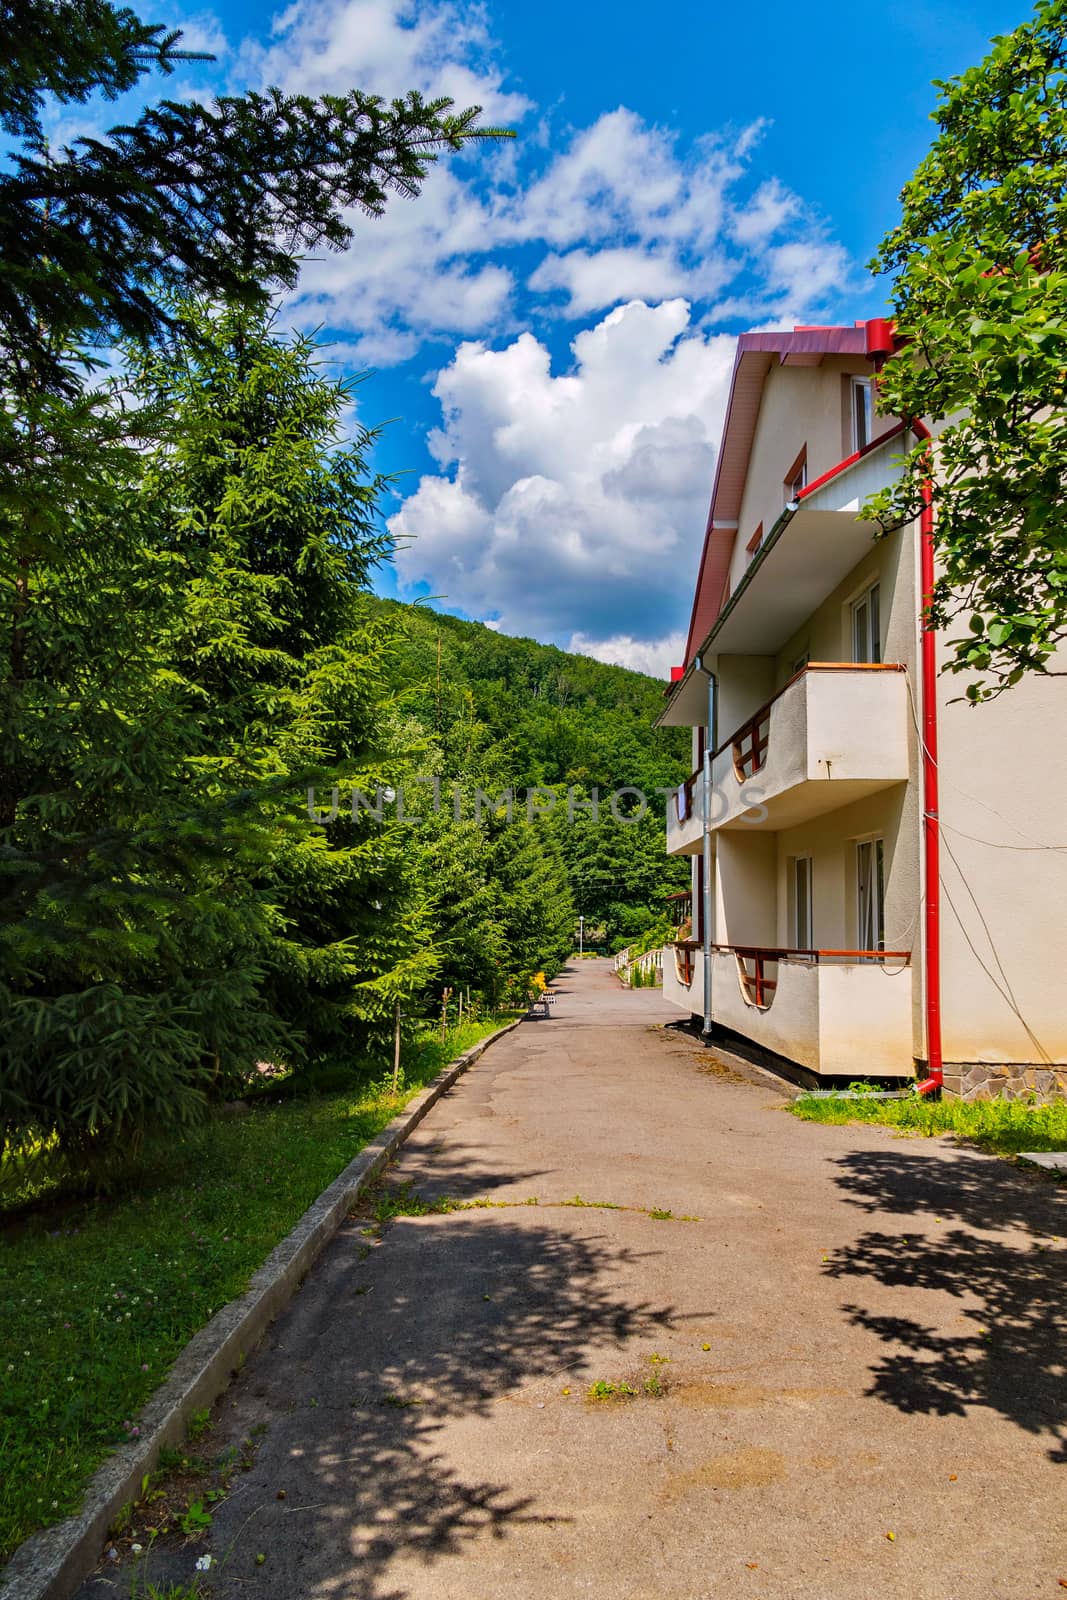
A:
x: 888, y: 871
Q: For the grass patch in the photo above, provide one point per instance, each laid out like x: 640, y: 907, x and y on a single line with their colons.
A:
x: 1003, y: 1127
x: 97, y: 1297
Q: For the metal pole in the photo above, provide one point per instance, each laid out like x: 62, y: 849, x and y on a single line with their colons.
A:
x: 581, y: 933
x: 709, y: 751
x: 396, y: 1050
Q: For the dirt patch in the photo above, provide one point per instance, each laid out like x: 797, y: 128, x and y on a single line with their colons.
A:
x: 748, y: 1468
x: 713, y: 1066
x: 703, y: 1392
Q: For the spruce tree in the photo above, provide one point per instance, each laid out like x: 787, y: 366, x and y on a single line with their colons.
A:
x: 276, y: 517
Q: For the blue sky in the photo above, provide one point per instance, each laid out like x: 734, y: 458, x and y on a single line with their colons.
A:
x: 551, y: 324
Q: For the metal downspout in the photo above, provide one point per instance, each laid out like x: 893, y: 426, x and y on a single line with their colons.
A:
x: 705, y: 917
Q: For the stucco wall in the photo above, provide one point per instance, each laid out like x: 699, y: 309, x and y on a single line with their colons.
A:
x: 745, y: 888
x: 801, y: 406
x: 1003, y: 770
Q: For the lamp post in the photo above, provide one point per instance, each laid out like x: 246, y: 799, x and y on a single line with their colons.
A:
x: 581, y: 933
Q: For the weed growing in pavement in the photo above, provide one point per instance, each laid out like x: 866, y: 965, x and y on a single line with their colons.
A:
x: 195, y: 1519
x: 610, y: 1391
x: 198, y: 1425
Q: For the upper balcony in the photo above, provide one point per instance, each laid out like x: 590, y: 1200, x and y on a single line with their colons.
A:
x: 816, y: 542
x: 835, y: 733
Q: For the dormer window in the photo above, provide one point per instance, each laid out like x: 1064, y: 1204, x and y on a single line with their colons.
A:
x: 862, y: 395
x: 796, y: 478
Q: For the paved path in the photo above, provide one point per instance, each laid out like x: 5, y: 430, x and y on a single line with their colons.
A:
x: 859, y: 1337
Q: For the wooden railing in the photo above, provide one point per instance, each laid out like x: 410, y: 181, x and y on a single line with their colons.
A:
x: 684, y: 964
x: 753, y: 960
x: 685, y: 797
x: 750, y: 743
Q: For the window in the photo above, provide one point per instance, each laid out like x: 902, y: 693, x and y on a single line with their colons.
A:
x: 870, y: 894
x: 801, y: 887
x: 798, y: 665
x: 862, y: 397
x: 754, y: 543
x: 867, y: 627
x: 796, y: 478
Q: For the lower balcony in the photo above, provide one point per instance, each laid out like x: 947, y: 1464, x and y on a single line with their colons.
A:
x: 842, y: 1013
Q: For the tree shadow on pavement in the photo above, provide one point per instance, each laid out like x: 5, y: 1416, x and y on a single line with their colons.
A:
x: 387, y: 1345
x: 982, y: 1234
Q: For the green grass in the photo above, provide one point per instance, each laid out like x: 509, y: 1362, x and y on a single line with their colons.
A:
x: 97, y: 1297
x: 1001, y: 1126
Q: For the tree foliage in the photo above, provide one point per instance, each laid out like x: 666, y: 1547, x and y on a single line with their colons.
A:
x: 97, y: 238
x: 507, y: 712
x: 979, y: 261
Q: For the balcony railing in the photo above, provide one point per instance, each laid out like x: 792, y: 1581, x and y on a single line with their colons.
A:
x: 759, y: 987
x: 684, y: 962
x: 685, y: 797
x: 750, y: 744
x: 838, y: 1012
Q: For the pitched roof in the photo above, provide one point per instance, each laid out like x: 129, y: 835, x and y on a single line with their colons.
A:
x: 756, y: 354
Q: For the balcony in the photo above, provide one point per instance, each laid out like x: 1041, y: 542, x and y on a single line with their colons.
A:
x: 834, y: 734
x: 841, y: 1013
x: 685, y: 817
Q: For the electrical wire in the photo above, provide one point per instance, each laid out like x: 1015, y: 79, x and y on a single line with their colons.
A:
x: 1006, y: 992
x: 992, y: 844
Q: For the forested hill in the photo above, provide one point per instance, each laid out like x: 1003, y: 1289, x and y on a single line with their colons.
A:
x: 567, y: 718
x: 509, y: 712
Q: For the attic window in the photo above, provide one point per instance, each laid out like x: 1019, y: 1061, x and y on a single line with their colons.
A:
x: 796, y: 478
x: 754, y: 543
x: 862, y: 412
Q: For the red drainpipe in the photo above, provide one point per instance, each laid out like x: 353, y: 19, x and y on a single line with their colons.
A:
x: 931, y: 821
x: 880, y: 344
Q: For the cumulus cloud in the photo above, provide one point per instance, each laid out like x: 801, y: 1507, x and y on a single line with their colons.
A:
x: 386, y: 47
x: 566, y: 501
x: 615, y: 211
x: 570, y: 505
x: 656, y: 657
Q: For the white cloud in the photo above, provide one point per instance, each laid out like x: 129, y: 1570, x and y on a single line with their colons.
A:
x: 572, y: 504
x: 655, y: 657
x: 386, y: 47
x: 609, y: 213
x: 565, y: 503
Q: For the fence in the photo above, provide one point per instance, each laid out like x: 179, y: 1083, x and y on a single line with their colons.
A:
x: 649, y: 967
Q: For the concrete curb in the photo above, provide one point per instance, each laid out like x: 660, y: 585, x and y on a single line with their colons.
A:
x: 49, y: 1565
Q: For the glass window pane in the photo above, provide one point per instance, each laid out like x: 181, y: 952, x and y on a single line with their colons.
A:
x: 860, y: 430
x: 876, y: 626
x: 859, y: 632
